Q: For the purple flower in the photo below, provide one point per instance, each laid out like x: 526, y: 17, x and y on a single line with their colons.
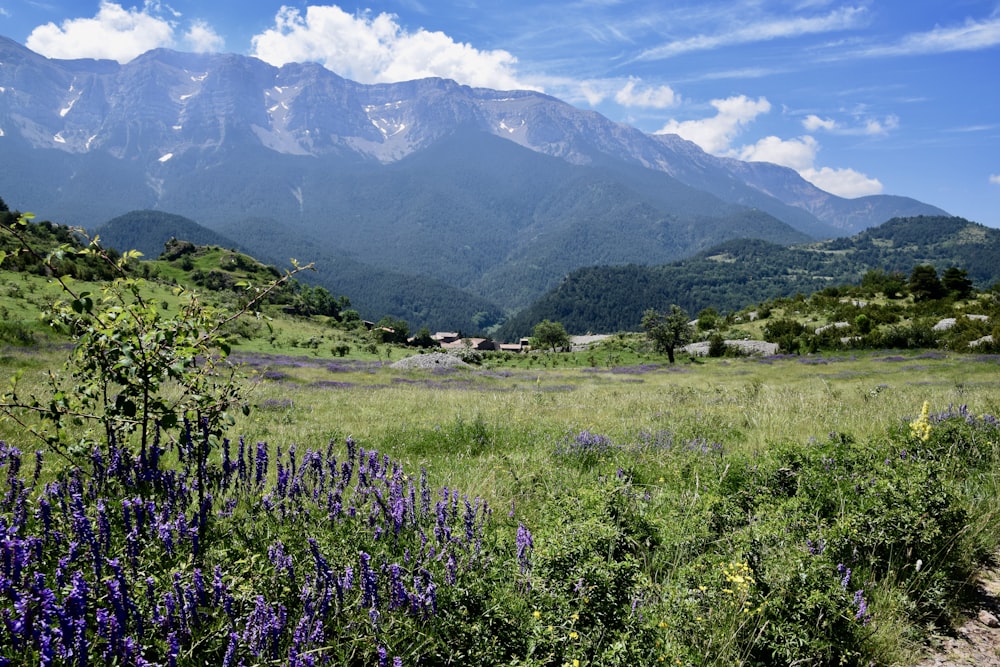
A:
x: 369, y: 582
x: 173, y: 650
x: 859, y: 601
x: 524, y: 547
x: 845, y: 575
x: 261, y: 463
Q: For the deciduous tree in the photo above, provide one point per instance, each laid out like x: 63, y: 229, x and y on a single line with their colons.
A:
x: 549, y: 335
x: 667, y: 330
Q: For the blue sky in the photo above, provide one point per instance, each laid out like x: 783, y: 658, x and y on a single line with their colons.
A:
x: 861, y: 97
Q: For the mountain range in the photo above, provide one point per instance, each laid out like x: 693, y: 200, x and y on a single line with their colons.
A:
x: 445, y: 205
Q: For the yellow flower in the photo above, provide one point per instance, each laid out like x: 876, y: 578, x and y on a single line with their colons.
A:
x: 576, y: 663
x: 574, y: 635
x: 575, y: 617
x: 920, y: 428
x: 536, y: 614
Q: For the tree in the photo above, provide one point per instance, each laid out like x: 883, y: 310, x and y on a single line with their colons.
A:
x: 424, y: 339
x: 956, y: 281
x: 392, y: 330
x: 708, y: 319
x: 667, y: 330
x: 924, y: 283
x: 550, y: 335
x: 132, y: 370
x: 892, y: 284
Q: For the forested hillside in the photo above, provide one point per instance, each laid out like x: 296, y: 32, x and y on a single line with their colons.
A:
x: 738, y: 273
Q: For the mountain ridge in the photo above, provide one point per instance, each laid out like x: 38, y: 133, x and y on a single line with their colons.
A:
x: 494, y: 194
x: 193, y: 101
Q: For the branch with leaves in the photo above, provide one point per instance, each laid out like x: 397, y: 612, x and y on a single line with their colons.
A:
x: 132, y: 369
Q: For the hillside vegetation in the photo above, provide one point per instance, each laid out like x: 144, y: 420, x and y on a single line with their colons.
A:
x: 737, y: 273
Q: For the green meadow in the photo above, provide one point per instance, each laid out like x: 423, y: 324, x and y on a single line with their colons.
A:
x: 757, y: 511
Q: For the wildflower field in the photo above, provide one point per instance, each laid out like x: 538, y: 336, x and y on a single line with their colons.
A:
x: 821, y: 510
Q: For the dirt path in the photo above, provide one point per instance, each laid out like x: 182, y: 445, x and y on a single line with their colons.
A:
x: 977, y: 642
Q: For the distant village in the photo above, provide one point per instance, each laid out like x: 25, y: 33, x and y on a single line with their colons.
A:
x: 450, y: 340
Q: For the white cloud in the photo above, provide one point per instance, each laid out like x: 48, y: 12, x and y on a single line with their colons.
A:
x: 120, y: 34
x: 115, y: 33
x: 971, y: 36
x: 800, y: 154
x: 860, y: 126
x: 202, y: 38
x: 876, y: 127
x: 654, y: 97
x: 813, y: 122
x: 761, y: 31
x: 376, y: 49
x: 995, y: 179
x: 716, y: 134
x: 843, y: 182
x: 592, y: 91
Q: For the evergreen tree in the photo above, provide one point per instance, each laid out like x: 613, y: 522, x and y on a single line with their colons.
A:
x: 924, y: 283
x: 956, y: 281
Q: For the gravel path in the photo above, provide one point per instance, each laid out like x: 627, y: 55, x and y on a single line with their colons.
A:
x: 977, y: 642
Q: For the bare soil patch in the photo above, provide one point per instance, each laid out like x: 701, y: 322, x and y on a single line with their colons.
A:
x: 977, y: 641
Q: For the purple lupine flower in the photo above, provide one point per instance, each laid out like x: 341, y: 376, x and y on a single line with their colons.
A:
x: 218, y: 587
x: 241, y: 466
x: 398, y: 507
x: 281, y: 488
x: 525, y: 544
x: 174, y: 649
x: 369, y: 582
x: 45, y: 514
x: 425, y: 493
x: 815, y: 548
x: 862, y: 614
x: 845, y: 575
x: 261, y: 463
x: 398, y: 597
x: 397, y: 662
x: 80, y: 641
x: 227, y: 659
x: 103, y: 526
x: 38, y: 468
x: 470, y: 520
x: 383, y: 657
x: 283, y: 562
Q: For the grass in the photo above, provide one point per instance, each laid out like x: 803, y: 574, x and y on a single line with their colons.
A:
x: 661, y: 500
